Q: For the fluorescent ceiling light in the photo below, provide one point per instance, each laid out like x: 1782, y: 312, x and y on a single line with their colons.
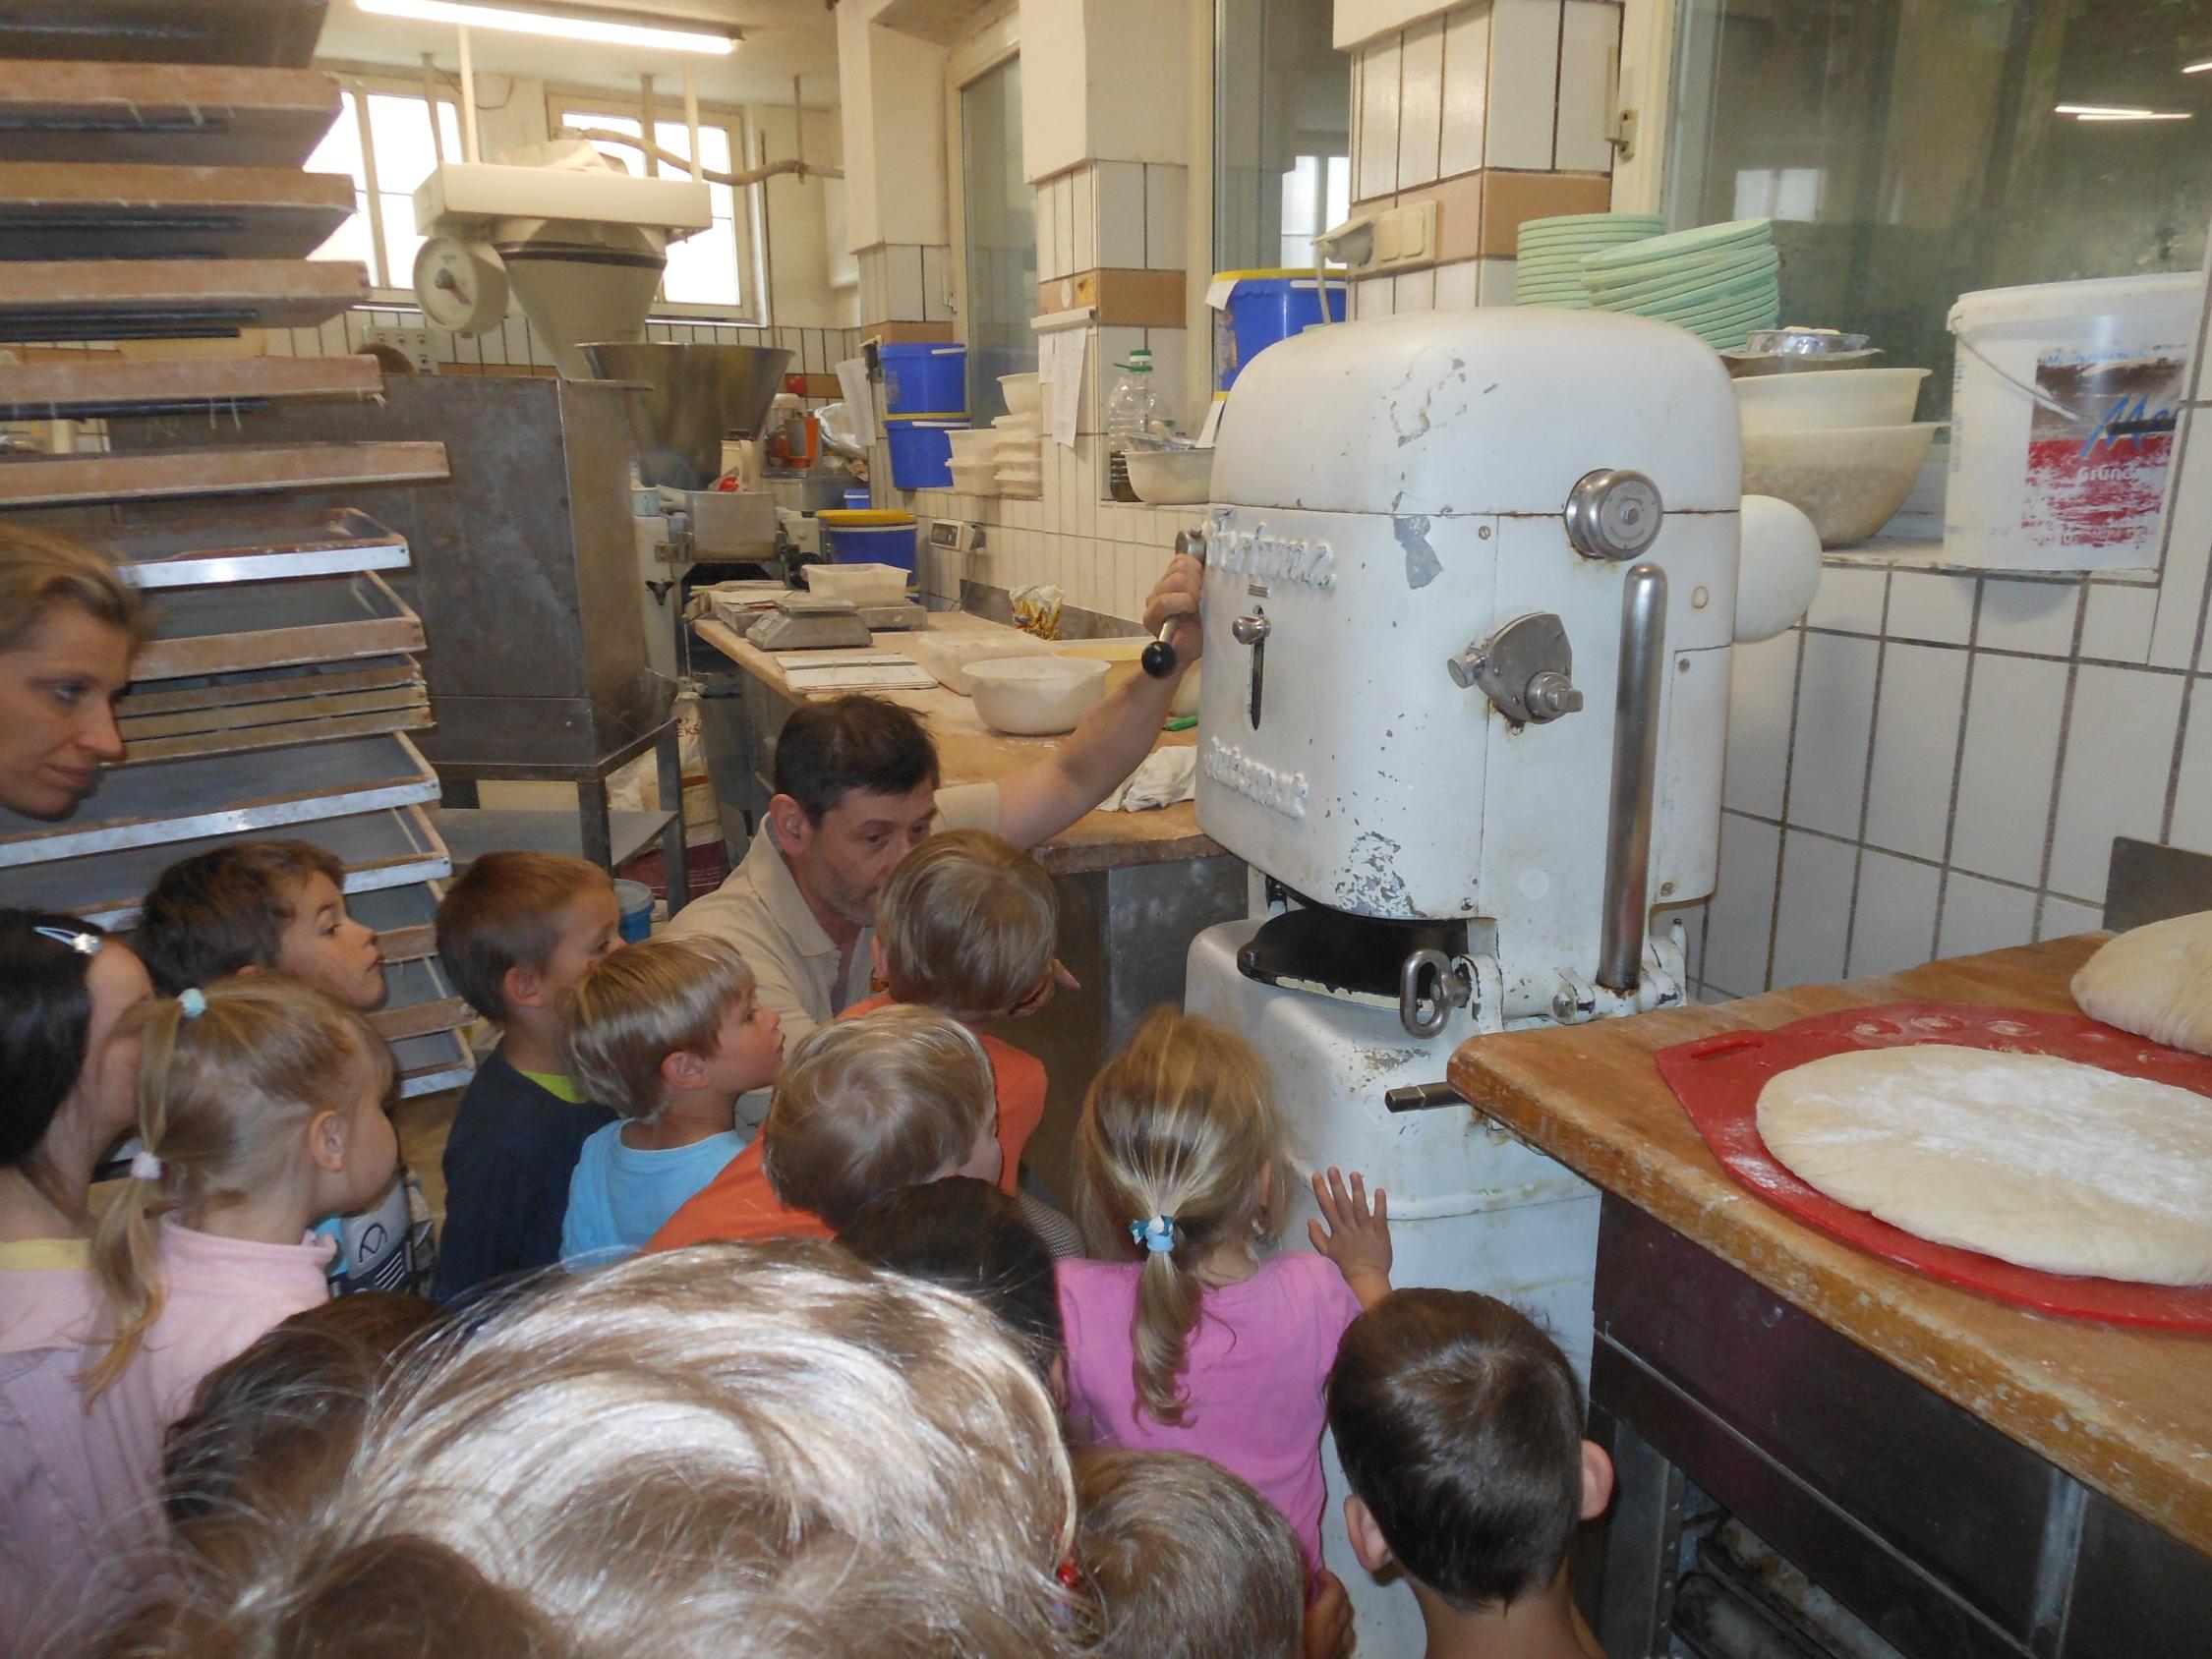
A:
x: 2120, y: 112
x: 665, y: 35
x: 2196, y: 67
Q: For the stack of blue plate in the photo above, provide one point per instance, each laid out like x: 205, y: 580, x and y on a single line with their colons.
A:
x: 1721, y: 282
x: 1551, y: 252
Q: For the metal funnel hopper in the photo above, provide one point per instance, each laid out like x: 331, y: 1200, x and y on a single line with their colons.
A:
x: 685, y: 399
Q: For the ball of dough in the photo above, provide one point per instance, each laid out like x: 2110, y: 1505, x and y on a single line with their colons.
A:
x: 2155, y: 980
x: 2043, y: 1162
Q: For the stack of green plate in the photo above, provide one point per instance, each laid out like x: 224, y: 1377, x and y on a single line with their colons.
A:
x: 1551, y: 252
x: 1721, y: 282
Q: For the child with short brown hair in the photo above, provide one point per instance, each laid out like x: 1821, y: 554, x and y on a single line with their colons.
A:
x: 1460, y: 1428
x: 256, y: 906
x: 667, y: 1032
x: 863, y: 1107
x: 515, y: 932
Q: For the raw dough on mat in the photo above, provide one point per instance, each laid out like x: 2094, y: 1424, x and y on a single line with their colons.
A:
x: 2043, y: 1162
x: 2155, y: 980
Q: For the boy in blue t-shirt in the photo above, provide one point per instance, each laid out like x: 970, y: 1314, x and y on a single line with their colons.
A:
x: 516, y: 931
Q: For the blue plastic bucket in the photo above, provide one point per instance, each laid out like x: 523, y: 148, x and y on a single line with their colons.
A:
x: 919, y: 378
x: 921, y: 455
x: 869, y: 538
x: 1264, y: 309
x: 858, y: 500
x: 635, y: 902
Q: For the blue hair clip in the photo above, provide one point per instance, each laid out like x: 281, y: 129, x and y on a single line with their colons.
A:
x: 1156, y: 1235
x: 83, y: 943
x: 193, y: 1000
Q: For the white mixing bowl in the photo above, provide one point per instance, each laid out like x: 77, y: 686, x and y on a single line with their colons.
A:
x: 1036, y: 696
x: 1839, y: 398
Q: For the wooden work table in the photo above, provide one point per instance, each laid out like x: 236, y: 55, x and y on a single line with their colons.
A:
x: 2127, y: 1412
x: 969, y: 752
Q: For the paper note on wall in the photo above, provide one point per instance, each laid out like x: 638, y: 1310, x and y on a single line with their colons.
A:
x: 1063, y: 369
x: 859, y: 396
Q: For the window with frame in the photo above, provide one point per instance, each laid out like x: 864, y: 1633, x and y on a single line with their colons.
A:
x: 1282, y: 134
x: 1000, y: 231
x: 705, y: 268
x: 1912, y: 150
x: 382, y: 142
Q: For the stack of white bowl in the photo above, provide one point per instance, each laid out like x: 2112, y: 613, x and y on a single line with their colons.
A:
x: 1839, y: 444
x: 1020, y: 452
x: 975, y: 460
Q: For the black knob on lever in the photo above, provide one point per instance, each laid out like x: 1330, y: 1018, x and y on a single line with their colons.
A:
x: 1159, y: 659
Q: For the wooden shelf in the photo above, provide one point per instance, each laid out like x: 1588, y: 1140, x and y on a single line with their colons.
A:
x: 279, y: 32
x: 44, y: 300
x: 71, y: 210
x: 57, y: 480
x: 274, y: 625
x: 92, y: 387
x: 207, y: 114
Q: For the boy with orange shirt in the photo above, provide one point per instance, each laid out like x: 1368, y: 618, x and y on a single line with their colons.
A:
x: 863, y: 1107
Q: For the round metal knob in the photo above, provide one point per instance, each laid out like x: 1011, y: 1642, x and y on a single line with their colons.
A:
x: 1613, y: 514
x: 1551, y: 694
x: 1249, y: 630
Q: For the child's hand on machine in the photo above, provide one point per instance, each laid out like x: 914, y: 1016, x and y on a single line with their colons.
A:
x: 1352, y: 1234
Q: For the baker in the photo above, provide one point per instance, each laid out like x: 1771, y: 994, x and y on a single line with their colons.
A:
x: 68, y: 627
x: 857, y: 789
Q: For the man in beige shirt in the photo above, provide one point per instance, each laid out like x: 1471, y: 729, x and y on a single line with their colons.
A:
x: 857, y: 789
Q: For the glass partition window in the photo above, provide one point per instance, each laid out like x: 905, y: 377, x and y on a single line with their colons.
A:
x: 1282, y: 140
x: 1001, y: 234
x: 1912, y: 150
x: 382, y: 140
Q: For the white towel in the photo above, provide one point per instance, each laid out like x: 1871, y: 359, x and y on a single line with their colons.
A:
x: 1168, y: 776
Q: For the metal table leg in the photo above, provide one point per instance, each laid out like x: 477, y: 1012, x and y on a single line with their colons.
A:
x: 668, y: 760
x: 590, y: 813
x: 1629, y: 1600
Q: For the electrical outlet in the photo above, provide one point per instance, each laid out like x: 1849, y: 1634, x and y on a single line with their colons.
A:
x: 1404, y: 236
x: 414, y: 344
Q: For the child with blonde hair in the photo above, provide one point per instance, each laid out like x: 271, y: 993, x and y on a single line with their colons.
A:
x: 863, y: 1107
x: 1188, y: 1340
x: 668, y: 1033
x: 773, y: 1452
x: 260, y: 1110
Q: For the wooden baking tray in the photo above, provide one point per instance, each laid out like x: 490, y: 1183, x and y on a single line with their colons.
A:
x: 427, y: 1064
x: 270, y: 624
x: 379, y: 850
x: 81, y: 387
x: 210, y: 114
x: 404, y: 918
x: 309, y: 712
x: 226, y: 795
x: 281, y: 32
x: 418, y: 1000
x: 195, y: 547
x: 170, y: 299
x: 155, y: 475
x: 104, y: 210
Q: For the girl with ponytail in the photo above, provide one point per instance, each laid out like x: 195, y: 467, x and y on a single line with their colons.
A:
x: 260, y: 1111
x: 1187, y: 1340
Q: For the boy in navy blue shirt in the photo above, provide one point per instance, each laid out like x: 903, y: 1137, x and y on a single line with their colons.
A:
x: 515, y: 932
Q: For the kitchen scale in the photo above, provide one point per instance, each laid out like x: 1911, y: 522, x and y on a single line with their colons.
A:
x: 814, y: 623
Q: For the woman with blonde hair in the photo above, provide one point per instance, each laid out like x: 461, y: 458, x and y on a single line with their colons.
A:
x: 1188, y: 1340
x: 767, y: 1450
x: 260, y: 1110
x: 68, y: 627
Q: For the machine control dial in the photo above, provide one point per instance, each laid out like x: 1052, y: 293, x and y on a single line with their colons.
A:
x: 1526, y: 668
x: 1613, y: 514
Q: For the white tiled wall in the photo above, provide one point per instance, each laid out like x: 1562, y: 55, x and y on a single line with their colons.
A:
x: 1933, y: 762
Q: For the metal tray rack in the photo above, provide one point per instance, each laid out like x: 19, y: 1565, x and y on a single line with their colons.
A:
x: 150, y: 187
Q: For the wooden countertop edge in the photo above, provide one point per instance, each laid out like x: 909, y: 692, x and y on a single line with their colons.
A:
x: 2132, y: 1459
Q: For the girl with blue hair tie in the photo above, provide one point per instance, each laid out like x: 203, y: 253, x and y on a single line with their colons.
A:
x: 1187, y: 1338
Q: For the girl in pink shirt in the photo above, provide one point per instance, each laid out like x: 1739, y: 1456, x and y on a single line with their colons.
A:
x: 260, y: 1110
x: 1190, y: 1341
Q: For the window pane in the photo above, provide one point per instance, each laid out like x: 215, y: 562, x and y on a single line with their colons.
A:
x: 1282, y: 98
x: 1002, y: 237
x: 1912, y: 150
x: 401, y: 238
x: 340, y: 152
x: 399, y: 128
x: 350, y: 241
x: 703, y: 268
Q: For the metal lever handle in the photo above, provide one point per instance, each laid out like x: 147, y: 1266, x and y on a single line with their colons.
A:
x: 1628, y: 830
x: 1251, y: 630
x: 1159, y: 659
x: 1429, y: 987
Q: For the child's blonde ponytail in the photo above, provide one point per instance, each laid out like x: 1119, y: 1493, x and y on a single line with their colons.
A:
x: 1181, y: 1149
x: 228, y: 1080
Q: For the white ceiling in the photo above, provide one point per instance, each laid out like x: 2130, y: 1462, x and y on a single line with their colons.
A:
x: 781, y: 38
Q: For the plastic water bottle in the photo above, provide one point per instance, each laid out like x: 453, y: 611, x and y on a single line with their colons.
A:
x: 1131, y: 413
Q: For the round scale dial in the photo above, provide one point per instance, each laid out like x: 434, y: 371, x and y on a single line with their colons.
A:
x: 461, y: 285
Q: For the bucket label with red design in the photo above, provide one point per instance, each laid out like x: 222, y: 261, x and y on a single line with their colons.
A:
x: 2097, y: 473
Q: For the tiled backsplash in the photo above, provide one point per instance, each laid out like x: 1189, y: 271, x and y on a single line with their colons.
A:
x: 1932, y: 762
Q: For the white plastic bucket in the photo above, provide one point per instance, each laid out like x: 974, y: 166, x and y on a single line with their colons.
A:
x: 2064, y: 401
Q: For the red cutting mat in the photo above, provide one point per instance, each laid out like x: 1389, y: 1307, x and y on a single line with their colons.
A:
x: 1717, y: 1080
